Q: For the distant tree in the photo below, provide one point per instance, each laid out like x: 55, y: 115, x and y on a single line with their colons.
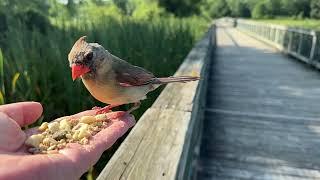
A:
x: 181, y: 7
x: 34, y: 14
x: 3, y: 22
x: 219, y: 8
x: 58, y: 10
x: 315, y: 9
x: 239, y: 8
x: 15, y: 6
x: 251, y: 3
x: 34, y: 20
x: 296, y: 7
x: 147, y: 10
x: 244, y: 10
x: 98, y: 2
x: 273, y: 7
x: 71, y: 6
x: 260, y: 10
x: 121, y: 4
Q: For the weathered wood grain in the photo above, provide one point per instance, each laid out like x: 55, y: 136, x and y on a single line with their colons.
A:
x: 163, y: 144
x: 262, y: 114
x: 150, y: 151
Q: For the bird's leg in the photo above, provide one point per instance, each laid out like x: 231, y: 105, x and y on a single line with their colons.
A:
x: 105, y: 109
x: 134, y: 107
x: 108, y: 108
x: 121, y: 114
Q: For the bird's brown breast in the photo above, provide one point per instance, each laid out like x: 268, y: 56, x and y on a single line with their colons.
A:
x: 111, y: 93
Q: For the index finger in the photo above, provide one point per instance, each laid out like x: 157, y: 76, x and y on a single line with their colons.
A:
x: 23, y: 113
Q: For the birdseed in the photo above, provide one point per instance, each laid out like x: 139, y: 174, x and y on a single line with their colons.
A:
x: 56, y: 135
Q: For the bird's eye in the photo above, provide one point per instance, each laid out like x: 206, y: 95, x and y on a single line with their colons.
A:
x: 88, y: 56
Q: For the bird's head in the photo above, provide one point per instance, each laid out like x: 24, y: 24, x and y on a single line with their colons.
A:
x: 85, y: 57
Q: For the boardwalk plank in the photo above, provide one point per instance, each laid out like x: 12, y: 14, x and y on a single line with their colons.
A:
x: 262, y: 117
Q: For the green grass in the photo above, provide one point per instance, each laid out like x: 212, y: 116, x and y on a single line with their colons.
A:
x: 34, y: 65
x: 301, y: 23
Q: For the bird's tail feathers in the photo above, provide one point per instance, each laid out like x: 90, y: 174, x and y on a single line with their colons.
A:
x: 182, y: 79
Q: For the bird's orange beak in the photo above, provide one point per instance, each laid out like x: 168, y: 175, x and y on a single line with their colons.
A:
x: 78, y: 70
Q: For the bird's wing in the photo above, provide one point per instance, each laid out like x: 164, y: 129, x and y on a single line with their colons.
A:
x: 129, y: 75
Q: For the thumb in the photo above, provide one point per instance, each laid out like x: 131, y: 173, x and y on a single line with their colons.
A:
x: 23, y: 113
x: 12, y: 137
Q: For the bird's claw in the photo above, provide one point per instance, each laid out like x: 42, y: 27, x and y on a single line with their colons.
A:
x: 100, y: 110
x: 96, y: 108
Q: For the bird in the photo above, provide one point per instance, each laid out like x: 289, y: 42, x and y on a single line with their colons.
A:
x: 112, y: 80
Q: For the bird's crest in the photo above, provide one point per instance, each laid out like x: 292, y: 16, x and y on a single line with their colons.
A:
x: 78, y: 46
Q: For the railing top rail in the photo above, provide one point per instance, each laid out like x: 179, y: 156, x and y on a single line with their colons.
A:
x: 281, y: 27
x: 304, y: 47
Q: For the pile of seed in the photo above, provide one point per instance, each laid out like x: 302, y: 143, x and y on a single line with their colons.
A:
x: 56, y: 135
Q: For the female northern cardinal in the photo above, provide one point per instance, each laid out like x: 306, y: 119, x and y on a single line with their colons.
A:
x: 112, y: 80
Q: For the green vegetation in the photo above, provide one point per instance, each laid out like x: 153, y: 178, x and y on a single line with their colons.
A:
x: 36, y: 36
x: 35, y: 51
x: 261, y: 8
x: 295, y: 13
x: 219, y: 9
x: 36, y: 67
x: 315, y: 9
x: 181, y: 8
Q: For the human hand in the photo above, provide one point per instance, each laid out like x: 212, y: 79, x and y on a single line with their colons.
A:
x: 70, y: 163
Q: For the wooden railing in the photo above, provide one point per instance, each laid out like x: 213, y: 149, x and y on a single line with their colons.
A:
x: 165, y: 141
x: 300, y: 43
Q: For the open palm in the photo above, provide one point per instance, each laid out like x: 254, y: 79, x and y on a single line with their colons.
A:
x: 70, y: 163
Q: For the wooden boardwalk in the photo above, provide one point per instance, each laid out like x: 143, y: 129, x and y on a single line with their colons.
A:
x: 262, y: 117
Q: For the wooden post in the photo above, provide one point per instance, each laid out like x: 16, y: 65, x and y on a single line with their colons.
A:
x: 300, y: 43
x: 313, y: 47
x: 283, y: 38
x: 290, y: 41
x: 276, y: 38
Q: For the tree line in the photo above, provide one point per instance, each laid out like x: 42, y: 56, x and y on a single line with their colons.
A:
x: 37, y: 11
x: 264, y: 8
x: 243, y: 8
